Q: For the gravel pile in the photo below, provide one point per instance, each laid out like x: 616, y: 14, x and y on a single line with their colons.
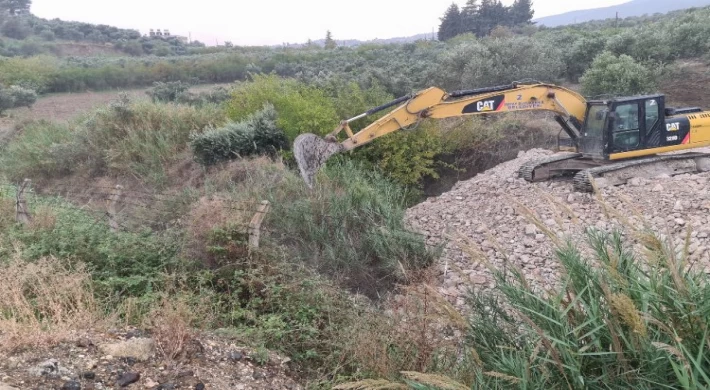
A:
x: 504, y: 216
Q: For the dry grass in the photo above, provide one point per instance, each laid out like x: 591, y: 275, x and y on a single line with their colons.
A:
x: 43, y: 302
x: 419, y: 334
x: 173, y: 323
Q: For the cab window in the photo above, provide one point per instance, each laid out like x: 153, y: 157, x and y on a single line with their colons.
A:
x: 652, y: 114
x: 595, y: 121
x: 625, y: 133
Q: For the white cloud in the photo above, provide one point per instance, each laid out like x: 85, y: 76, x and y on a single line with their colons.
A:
x: 275, y: 21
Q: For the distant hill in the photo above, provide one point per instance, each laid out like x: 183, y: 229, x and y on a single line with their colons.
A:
x: 632, y: 8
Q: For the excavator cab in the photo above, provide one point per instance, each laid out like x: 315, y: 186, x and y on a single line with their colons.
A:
x: 622, y: 125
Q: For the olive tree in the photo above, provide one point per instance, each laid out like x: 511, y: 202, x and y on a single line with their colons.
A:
x: 617, y: 75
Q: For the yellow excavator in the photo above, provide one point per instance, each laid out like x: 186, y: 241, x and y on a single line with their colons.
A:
x: 610, y: 140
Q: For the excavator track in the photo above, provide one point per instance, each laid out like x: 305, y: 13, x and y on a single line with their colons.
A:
x: 582, y: 180
x: 529, y: 171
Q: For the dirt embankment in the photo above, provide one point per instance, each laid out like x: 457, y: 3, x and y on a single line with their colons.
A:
x: 131, y: 359
x: 506, y: 219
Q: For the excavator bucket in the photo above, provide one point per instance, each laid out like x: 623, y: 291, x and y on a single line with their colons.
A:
x: 311, y: 153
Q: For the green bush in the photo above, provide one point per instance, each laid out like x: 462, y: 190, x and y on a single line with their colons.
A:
x: 258, y: 134
x: 23, y: 97
x: 167, y: 92
x: 122, y: 264
x: 620, y: 75
x: 301, y: 108
x: 15, y: 96
x: 406, y: 157
x: 217, y: 95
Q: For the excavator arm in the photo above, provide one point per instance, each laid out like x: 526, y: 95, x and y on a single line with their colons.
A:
x: 312, y: 152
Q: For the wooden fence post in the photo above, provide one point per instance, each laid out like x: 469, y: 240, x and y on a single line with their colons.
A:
x: 255, y: 224
x: 22, y: 215
x: 111, y: 209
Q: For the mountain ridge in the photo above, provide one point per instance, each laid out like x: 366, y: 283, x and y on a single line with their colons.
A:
x: 628, y: 9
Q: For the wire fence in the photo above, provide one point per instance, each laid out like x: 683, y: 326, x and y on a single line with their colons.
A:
x: 138, y: 211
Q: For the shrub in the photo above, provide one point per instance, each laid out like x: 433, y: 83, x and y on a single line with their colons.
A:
x: 168, y: 91
x: 15, y: 96
x: 121, y: 264
x: 48, y: 35
x: 407, y: 157
x: 302, y: 109
x: 217, y: 95
x: 258, y: 134
x: 15, y: 28
x: 23, y: 97
x: 620, y: 75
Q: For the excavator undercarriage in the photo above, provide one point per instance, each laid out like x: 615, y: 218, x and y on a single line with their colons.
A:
x: 588, y: 173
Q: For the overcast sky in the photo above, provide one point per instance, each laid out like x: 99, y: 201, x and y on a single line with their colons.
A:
x: 264, y: 22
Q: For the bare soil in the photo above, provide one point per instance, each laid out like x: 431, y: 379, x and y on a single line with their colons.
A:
x: 107, y: 360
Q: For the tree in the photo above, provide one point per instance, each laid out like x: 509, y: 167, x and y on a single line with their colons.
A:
x: 469, y: 17
x: 329, y: 41
x: 620, y: 75
x: 16, y: 7
x: 491, y: 13
x: 451, y: 23
x: 16, y: 28
x: 521, y: 12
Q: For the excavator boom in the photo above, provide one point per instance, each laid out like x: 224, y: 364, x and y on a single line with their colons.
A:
x: 311, y: 151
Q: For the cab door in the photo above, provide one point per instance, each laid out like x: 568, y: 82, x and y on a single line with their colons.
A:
x: 625, y: 127
x: 591, y: 142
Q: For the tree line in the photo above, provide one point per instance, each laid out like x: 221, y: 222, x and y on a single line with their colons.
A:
x: 481, y: 18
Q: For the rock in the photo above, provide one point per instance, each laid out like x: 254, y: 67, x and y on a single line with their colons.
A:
x: 166, y: 386
x: 71, y: 385
x: 90, y: 375
x: 235, y: 356
x: 258, y: 375
x: 128, y: 378
x: 137, y: 348
x: 530, y: 229
x: 7, y: 387
x: 200, y: 386
x: 149, y: 383
x: 50, y: 368
x: 634, y: 181
x: 657, y: 188
x: 680, y: 221
x: 186, y: 373
x: 84, y: 342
